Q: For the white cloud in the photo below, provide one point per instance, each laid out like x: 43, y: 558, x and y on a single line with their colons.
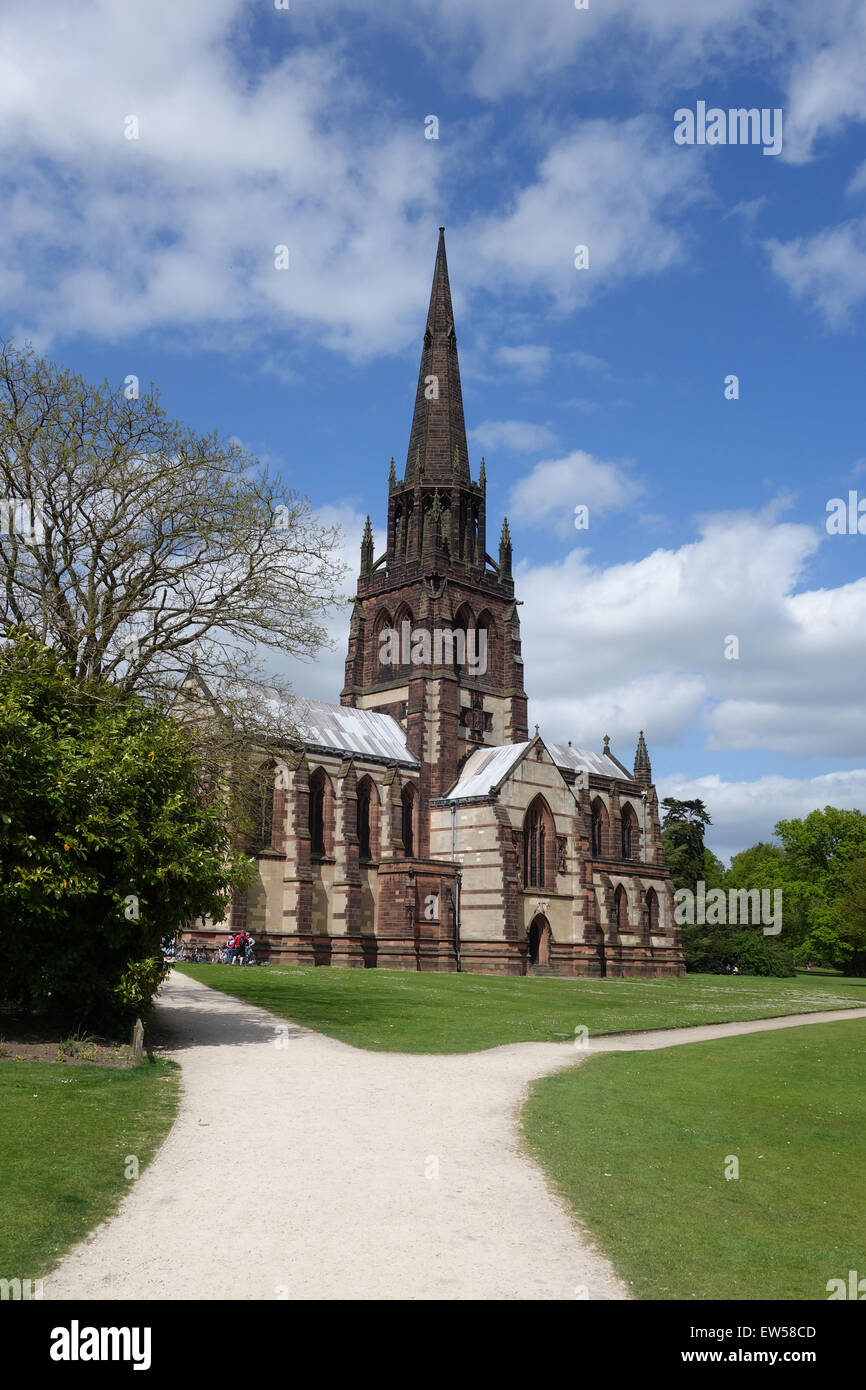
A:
x: 827, y: 81
x: 828, y: 270
x: 745, y: 812
x: 518, y: 436
x: 178, y: 228
x: 550, y: 493
x: 642, y: 644
x: 616, y: 187
x: 530, y: 361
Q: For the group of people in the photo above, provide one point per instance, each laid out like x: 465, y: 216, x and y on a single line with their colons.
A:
x: 239, y: 948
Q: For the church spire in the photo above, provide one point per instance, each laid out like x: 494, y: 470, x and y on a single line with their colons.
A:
x: 437, y: 443
x: 643, y: 773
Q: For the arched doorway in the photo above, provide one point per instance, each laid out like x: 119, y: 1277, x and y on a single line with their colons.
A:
x: 539, y: 941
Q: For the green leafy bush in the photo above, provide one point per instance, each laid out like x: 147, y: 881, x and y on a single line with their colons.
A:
x: 106, y: 845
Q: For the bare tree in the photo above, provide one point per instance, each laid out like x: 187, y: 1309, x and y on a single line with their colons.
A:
x: 134, y: 544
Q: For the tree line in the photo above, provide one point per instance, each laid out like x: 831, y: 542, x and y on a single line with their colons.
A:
x: 818, y: 863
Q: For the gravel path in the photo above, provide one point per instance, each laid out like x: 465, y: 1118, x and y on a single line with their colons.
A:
x: 302, y: 1168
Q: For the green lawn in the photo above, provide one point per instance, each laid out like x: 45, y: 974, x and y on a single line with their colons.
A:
x: 65, y: 1135
x: 401, y: 1011
x: 638, y: 1142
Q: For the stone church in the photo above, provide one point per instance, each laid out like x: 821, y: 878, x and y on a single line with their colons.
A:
x: 417, y: 824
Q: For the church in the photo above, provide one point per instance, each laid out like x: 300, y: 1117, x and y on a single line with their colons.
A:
x: 417, y: 825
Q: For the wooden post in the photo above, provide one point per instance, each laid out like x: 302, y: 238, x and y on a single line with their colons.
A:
x: 137, y: 1041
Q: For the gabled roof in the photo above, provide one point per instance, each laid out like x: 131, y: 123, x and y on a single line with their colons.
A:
x: 484, y: 769
x: 348, y: 730
x: 579, y: 760
x: 314, y: 723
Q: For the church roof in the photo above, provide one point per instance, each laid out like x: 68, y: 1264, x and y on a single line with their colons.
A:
x: 485, y: 768
x: 364, y: 732
x: 316, y: 724
x: 579, y: 760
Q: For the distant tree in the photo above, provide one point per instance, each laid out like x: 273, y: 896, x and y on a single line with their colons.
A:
x: 683, y: 829
x: 852, y: 918
x: 821, y: 850
x: 766, y: 866
x: 713, y: 870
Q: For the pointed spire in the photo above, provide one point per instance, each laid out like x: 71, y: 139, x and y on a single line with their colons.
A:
x: 367, y: 549
x: 482, y: 476
x: 505, y: 551
x: 643, y: 772
x: 437, y: 443
x: 392, y: 476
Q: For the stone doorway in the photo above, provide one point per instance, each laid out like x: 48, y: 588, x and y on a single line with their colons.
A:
x: 539, y: 941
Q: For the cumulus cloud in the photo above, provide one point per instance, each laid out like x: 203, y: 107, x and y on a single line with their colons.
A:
x: 518, y: 436
x: 745, y: 812
x: 529, y: 360
x: 615, y: 187
x: 827, y: 270
x: 795, y: 686
x: 550, y: 493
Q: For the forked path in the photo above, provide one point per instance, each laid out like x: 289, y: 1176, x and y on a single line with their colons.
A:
x: 300, y: 1167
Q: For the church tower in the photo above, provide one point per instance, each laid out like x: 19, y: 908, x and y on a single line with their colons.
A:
x: 434, y: 638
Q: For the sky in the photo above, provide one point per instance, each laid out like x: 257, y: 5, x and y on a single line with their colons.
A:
x: 604, y: 385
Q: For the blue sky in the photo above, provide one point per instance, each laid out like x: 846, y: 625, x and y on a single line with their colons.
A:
x: 603, y: 386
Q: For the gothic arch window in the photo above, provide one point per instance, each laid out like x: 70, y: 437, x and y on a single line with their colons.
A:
x: 383, y: 630
x: 651, y: 912
x: 368, y: 820
x: 620, y: 905
x: 267, y: 810
x: 321, y: 813
x: 463, y: 622
x: 408, y: 821
x: 539, y: 846
x: 630, y: 833
x: 403, y: 653
x: 485, y: 643
x: 599, y: 827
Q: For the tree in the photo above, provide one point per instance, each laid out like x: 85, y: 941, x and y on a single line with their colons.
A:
x: 129, y: 543
x: 852, y: 918
x: 821, y: 850
x: 766, y: 866
x: 106, y: 845
x: 683, y: 840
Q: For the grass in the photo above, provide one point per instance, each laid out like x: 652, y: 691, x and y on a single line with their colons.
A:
x: 66, y: 1134
x: 401, y: 1011
x: 637, y: 1143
